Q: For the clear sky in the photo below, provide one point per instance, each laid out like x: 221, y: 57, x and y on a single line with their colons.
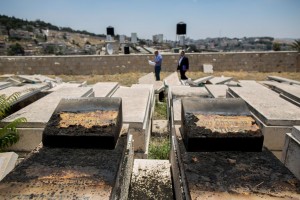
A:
x: 204, y: 18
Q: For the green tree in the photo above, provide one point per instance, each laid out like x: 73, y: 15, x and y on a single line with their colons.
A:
x: 9, y: 134
x: 296, y: 45
x: 15, y: 50
x: 276, y: 46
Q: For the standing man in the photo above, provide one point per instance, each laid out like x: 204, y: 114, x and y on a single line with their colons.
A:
x: 183, y: 65
x: 157, y: 67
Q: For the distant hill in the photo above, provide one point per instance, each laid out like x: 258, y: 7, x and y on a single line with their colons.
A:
x: 16, y: 23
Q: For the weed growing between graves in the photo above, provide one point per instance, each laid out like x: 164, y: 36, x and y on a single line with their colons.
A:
x: 159, y: 148
x: 160, y: 111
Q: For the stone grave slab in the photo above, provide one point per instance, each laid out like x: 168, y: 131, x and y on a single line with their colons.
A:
x: 25, y: 91
x: 136, y: 112
x: 176, y: 93
x: 229, y: 175
x: 38, y: 114
x: 5, y: 85
x: 291, y: 151
x: 281, y: 79
x: 217, y: 91
x: 216, y: 124
x: 232, y: 84
x: 278, y: 113
x: 208, y: 68
x: 172, y: 80
x: 289, y: 92
x: 219, y: 80
x: 198, y: 81
x: 64, y: 85
x: 77, y: 173
x: 37, y: 78
x: 296, y: 132
x: 105, y: 89
x: 86, y: 122
x: 147, y: 79
x: 7, y: 163
x: 275, y: 119
x: 151, y: 179
x: 248, y: 83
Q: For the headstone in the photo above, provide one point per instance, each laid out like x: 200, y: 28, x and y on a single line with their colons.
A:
x: 7, y: 163
x: 207, y: 68
x: 219, y: 80
x: 291, y: 151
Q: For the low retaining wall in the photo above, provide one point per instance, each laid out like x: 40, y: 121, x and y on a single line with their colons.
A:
x: 112, y: 64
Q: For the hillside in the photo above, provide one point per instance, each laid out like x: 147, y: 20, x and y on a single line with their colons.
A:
x: 40, y: 38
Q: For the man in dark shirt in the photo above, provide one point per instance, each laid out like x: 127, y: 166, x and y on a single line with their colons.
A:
x: 183, y: 65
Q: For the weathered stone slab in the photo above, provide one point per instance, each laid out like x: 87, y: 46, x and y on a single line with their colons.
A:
x: 176, y: 93
x: 207, y: 68
x: 151, y: 179
x: 62, y: 173
x: 147, y: 79
x: 105, y: 89
x: 199, y: 80
x: 248, y: 83
x: 64, y: 85
x: 232, y: 84
x: 296, y: 132
x: 39, y: 112
x: 217, y: 91
x: 37, y: 78
x: 187, y: 91
x: 25, y: 91
x: 290, y: 91
x: 86, y: 122
x: 273, y: 135
x: 136, y: 105
x: 219, y: 80
x: 172, y: 80
x: 5, y: 85
x: 291, y: 151
x: 280, y: 79
x: 216, y: 124
x: 7, y: 163
x: 230, y: 175
x: 278, y: 113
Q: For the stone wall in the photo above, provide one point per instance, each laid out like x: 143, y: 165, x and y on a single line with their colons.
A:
x: 112, y: 64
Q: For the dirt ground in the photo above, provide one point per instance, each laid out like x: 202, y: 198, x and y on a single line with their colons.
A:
x: 128, y: 79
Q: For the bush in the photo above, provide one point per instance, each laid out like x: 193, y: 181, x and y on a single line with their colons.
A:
x: 9, y: 134
x: 15, y: 50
